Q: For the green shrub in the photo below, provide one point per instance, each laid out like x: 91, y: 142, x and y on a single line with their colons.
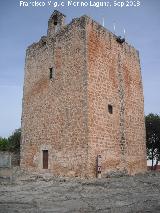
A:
x: 12, y: 143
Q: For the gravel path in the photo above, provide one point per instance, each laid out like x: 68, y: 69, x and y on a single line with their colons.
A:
x: 39, y: 194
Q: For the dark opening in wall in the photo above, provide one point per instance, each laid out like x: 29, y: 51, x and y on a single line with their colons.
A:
x: 110, y: 109
x: 51, y: 73
x: 55, y: 20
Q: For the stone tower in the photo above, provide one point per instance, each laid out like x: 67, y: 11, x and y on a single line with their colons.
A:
x: 83, y: 97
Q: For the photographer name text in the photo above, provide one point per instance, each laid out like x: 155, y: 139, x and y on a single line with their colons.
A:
x: 70, y: 3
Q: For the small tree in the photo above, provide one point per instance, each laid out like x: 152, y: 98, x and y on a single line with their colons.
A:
x: 152, y: 122
x: 11, y: 143
x: 4, y: 144
x: 14, y: 140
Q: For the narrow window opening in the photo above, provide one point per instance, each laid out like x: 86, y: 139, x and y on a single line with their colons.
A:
x: 51, y: 73
x: 45, y: 159
x: 110, y: 109
x: 55, y: 20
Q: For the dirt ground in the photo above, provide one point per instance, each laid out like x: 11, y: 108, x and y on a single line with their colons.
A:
x: 27, y: 194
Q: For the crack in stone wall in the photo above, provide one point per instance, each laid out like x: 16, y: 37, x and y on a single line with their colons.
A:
x: 121, y: 93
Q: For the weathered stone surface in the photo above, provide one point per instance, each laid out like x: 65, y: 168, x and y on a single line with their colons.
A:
x: 68, y: 114
x: 9, y: 159
x: 5, y: 159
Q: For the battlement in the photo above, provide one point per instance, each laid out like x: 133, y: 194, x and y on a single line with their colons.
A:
x: 57, y: 29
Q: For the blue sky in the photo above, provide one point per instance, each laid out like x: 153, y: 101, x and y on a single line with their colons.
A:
x: 21, y: 26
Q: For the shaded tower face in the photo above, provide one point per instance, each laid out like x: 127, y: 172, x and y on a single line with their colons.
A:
x: 56, y: 21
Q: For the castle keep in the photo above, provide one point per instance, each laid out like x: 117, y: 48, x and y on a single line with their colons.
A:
x: 83, y: 98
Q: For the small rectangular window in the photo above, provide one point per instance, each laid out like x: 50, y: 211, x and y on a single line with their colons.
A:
x: 110, y: 109
x: 51, y: 73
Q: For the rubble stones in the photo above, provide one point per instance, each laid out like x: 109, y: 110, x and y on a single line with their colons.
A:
x: 42, y: 194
